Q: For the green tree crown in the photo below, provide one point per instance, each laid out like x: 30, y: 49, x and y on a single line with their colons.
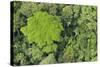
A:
x: 43, y: 29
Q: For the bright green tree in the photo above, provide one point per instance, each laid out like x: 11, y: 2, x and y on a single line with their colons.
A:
x: 43, y: 29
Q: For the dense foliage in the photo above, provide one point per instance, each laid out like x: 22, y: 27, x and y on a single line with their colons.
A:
x: 45, y: 33
x: 37, y: 32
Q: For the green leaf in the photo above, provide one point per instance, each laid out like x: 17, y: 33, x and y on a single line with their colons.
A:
x: 50, y: 48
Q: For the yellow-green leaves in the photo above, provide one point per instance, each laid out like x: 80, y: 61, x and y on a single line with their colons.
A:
x: 50, y: 48
x: 43, y: 29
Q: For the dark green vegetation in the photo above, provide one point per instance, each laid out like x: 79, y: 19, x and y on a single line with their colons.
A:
x: 53, y: 33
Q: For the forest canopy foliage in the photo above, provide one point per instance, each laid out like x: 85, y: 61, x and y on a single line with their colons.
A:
x: 48, y: 33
